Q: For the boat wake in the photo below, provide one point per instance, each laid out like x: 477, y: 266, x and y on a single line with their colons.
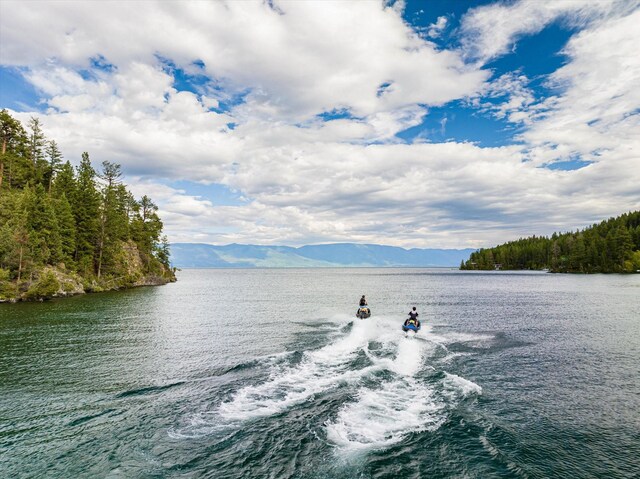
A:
x: 408, y: 401
x: 394, y: 387
x: 318, y: 371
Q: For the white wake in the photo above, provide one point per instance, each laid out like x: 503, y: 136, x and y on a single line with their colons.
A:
x: 390, y: 407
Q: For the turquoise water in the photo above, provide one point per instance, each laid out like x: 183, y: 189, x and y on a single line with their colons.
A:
x: 265, y: 374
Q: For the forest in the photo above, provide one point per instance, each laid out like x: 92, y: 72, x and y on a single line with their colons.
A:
x: 66, y: 230
x: 612, y: 246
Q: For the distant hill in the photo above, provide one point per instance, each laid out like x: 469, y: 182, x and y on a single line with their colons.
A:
x: 612, y: 246
x: 200, y: 255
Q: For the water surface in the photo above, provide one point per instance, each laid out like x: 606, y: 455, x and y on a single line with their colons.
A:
x: 265, y: 373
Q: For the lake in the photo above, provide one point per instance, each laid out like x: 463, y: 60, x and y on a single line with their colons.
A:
x: 266, y: 373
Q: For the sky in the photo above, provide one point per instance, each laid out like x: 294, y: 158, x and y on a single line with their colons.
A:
x: 429, y: 124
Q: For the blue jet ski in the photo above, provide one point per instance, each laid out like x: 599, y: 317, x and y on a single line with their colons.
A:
x: 411, y: 325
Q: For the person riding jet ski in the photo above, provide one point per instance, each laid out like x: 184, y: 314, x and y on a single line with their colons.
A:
x: 363, y: 309
x: 412, y: 323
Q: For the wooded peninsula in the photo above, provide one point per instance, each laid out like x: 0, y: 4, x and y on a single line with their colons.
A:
x: 612, y: 246
x: 66, y: 231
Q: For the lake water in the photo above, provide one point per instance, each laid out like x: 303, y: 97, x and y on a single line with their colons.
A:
x: 267, y: 374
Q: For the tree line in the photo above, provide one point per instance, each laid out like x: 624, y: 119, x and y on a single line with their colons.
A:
x: 78, y: 220
x: 612, y: 246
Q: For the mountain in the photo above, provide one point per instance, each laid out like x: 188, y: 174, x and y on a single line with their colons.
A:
x: 200, y: 255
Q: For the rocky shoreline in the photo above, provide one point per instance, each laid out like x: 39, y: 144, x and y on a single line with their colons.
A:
x: 52, y: 282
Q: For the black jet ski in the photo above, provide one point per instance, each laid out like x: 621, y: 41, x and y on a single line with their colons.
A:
x: 363, y: 312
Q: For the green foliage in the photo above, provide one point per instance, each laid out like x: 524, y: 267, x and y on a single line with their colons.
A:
x: 85, y: 205
x: 64, y: 182
x: 14, y: 166
x: 45, y: 287
x: 67, y: 229
x: 85, y: 222
x: 55, y: 158
x: 42, y: 224
x: 8, y: 289
x: 613, y: 246
x: 163, y: 251
x: 36, y: 148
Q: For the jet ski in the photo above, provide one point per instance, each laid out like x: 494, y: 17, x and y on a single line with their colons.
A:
x: 411, y: 325
x: 363, y: 312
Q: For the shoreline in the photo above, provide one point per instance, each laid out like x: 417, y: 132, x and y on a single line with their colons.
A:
x: 52, y: 283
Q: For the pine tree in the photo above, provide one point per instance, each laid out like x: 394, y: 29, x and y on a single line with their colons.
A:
x: 55, y: 158
x: 164, y: 252
x: 65, y: 182
x: 37, y: 142
x: 623, y: 246
x: 146, y: 228
x: 578, y: 255
x: 606, y: 247
x: 67, y: 227
x: 42, y: 226
x: 11, y: 135
x: 85, y: 204
x: 113, y: 216
x: 51, y: 215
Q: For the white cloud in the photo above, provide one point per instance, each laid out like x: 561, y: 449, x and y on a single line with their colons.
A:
x: 435, y: 30
x: 508, y: 97
x: 595, y: 115
x: 349, y: 179
x: 315, y: 57
x: 492, y: 30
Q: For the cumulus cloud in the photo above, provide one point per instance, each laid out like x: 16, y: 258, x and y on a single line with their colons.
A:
x: 297, y: 105
x: 304, y: 58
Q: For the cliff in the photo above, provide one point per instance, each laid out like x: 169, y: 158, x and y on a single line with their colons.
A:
x: 133, y: 269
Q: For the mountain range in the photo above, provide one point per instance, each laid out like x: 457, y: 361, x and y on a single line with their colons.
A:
x: 200, y: 255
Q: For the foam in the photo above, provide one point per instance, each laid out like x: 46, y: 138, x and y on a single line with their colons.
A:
x: 408, y: 357
x: 319, y: 371
x: 466, y: 387
x: 385, y: 415
x: 286, y: 390
x: 451, y: 356
x: 381, y: 417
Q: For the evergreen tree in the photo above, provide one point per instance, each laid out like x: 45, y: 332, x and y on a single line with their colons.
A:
x: 55, y: 158
x: 21, y: 241
x: 42, y: 226
x: 146, y: 228
x: 37, y: 142
x: 623, y: 246
x: 113, y: 217
x: 65, y: 182
x: 14, y: 140
x: 607, y: 247
x: 164, y: 252
x: 52, y: 215
x: 7, y: 246
x: 85, y: 205
x: 67, y: 228
x: 578, y: 255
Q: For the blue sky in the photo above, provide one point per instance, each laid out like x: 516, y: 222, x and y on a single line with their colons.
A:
x: 417, y: 124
